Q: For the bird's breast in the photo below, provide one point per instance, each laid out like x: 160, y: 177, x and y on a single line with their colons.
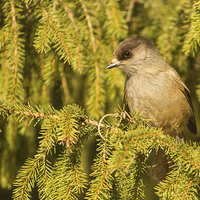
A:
x: 154, y: 99
x: 144, y: 92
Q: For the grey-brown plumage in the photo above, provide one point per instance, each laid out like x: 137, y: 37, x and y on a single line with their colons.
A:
x: 155, y: 89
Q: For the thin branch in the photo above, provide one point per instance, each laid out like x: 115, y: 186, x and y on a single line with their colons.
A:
x: 64, y: 83
x: 71, y: 16
x: 188, y: 187
x: 101, y: 183
x: 15, y: 28
x: 95, y: 54
x: 44, y: 88
x: 57, y: 32
x: 94, y: 123
x: 182, y: 153
x: 45, y: 32
x: 100, y: 122
x: 130, y: 10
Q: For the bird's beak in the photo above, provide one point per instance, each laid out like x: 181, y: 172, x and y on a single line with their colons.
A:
x: 114, y: 63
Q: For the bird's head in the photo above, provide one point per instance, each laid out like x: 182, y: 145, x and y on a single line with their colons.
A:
x: 136, y: 54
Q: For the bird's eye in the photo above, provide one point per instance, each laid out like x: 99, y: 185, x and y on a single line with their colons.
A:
x: 126, y: 54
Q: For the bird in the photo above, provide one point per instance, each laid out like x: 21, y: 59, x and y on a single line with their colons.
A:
x: 154, y: 89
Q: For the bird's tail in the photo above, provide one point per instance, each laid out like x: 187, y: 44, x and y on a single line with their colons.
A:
x: 162, y: 163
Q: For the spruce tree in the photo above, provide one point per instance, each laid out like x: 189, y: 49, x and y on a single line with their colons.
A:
x: 56, y: 94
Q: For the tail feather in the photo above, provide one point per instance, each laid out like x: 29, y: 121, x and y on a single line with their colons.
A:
x: 162, y: 162
x: 161, y: 165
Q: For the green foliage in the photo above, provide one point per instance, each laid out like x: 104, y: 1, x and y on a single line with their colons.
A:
x: 59, y: 128
x: 185, y: 173
x: 192, y: 40
x: 54, y: 54
x: 120, y: 164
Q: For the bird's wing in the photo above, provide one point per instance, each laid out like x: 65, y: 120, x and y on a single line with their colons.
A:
x: 191, y: 122
x: 125, y: 98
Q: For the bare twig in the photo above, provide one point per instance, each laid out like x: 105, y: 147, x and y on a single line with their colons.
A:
x: 130, y: 9
x: 100, y: 122
x: 94, y: 123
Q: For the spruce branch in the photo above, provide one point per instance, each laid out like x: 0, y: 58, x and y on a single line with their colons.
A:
x: 44, y: 86
x: 71, y: 16
x: 94, y: 49
x: 15, y: 28
x: 122, y: 156
x: 191, y: 42
x: 64, y: 83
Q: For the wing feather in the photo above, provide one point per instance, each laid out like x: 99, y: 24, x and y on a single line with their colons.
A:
x: 191, y: 121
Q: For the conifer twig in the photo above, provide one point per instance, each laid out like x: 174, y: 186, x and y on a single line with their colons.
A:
x: 100, y: 122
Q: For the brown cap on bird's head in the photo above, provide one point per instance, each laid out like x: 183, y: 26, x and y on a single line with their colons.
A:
x: 133, y: 53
